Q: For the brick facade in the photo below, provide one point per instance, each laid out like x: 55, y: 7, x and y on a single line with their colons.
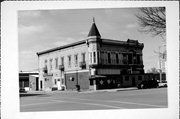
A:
x: 77, y: 78
x: 88, y: 61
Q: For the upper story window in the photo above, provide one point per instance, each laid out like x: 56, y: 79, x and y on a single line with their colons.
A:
x: 141, y: 59
x: 69, y: 60
x: 105, y: 58
x: 138, y: 59
x: 90, y: 57
x: 62, y: 60
x: 124, y: 58
x: 129, y: 58
x: 102, y: 57
x: 83, y: 57
x: 45, y: 63
x: 50, y: 63
x: 113, y: 57
x: 134, y: 59
x: 109, y: 57
x: 98, y: 57
x: 117, y: 58
x: 94, y: 55
x: 76, y: 59
x: 56, y: 63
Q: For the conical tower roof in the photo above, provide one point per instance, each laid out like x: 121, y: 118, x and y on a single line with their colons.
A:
x: 94, y: 31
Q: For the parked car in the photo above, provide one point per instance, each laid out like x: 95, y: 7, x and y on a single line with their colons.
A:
x: 63, y: 87
x: 148, y: 84
x: 163, y: 83
x: 22, y: 90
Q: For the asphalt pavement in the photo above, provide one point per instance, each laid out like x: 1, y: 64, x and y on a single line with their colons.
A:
x: 127, y: 98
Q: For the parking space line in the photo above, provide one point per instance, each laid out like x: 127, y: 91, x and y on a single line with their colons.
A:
x: 122, y: 102
x: 37, y: 104
x: 139, y: 104
x: 55, y: 101
x: 104, y: 105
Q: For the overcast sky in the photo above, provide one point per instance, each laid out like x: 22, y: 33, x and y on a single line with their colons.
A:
x: 40, y: 30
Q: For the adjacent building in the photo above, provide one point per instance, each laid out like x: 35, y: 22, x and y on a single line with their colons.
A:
x: 93, y: 63
x: 29, y: 80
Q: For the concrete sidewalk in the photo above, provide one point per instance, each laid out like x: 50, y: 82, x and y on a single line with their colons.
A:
x: 110, y: 90
x: 82, y: 91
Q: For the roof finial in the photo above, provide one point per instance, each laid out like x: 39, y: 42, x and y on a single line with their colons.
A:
x: 93, y: 20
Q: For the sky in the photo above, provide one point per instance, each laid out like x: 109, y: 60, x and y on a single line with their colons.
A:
x: 39, y: 30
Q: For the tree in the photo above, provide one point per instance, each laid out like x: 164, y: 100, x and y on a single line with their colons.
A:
x: 153, y: 20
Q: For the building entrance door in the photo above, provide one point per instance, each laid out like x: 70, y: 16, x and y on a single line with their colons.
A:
x: 133, y: 81
x: 41, y: 85
x: 37, y: 84
x: 59, y: 83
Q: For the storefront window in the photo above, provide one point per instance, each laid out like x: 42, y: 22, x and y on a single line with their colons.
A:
x: 91, y: 82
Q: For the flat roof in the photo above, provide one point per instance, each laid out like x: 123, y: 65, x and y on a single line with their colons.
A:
x: 62, y: 47
x: 108, y: 41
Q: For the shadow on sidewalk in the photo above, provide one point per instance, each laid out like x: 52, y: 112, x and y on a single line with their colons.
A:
x: 128, y: 89
x: 32, y: 94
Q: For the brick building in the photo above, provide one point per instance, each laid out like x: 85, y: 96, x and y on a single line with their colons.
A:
x: 29, y: 80
x: 93, y: 63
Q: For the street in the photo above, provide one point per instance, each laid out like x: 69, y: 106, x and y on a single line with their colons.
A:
x: 88, y: 100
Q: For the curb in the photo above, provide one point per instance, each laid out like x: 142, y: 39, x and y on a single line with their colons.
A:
x: 110, y: 90
x: 82, y: 91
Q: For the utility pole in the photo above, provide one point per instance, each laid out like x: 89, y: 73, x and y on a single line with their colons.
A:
x: 160, y: 69
x: 159, y: 63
